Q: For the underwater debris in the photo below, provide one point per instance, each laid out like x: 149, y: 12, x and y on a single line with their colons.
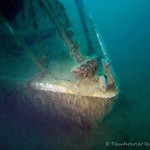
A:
x: 86, y: 69
x: 56, y: 13
x: 75, y: 52
x: 55, y: 10
x: 82, y: 100
x: 21, y: 43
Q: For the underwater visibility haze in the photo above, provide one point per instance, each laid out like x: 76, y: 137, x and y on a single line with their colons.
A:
x: 46, y: 52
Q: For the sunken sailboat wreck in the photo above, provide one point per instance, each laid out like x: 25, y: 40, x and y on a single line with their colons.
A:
x: 79, y: 85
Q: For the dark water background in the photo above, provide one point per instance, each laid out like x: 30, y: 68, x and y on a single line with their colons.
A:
x: 125, y: 27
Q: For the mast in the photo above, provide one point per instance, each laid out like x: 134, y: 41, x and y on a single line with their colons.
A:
x: 55, y: 10
x: 105, y: 61
x: 20, y: 42
x: 83, y: 17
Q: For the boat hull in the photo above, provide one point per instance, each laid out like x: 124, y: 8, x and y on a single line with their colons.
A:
x: 80, y: 110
